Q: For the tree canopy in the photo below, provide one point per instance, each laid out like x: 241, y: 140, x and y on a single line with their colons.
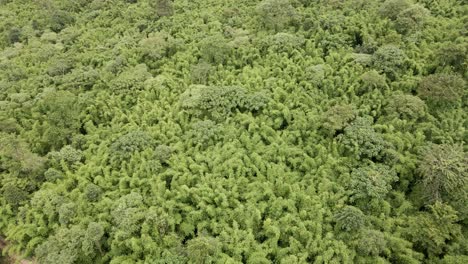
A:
x: 233, y: 131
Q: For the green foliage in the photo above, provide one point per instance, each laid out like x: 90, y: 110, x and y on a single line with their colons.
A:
x: 434, y: 232
x: 442, y: 88
x: 14, y: 195
x: 214, y: 49
x: 127, y: 213
x: 14, y: 35
x: 84, y: 77
x: 131, y: 142
x: 59, y: 67
x: 93, y: 238
x: 453, y: 55
x: 338, y: 117
x: 373, y: 80
x: 350, y: 218
x: 202, y: 249
x: 164, y: 7
x: 200, y: 72
x: 443, y: 170
x: 17, y: 159
x: 60, y: 19
x: 276, y: 14
x: 218, y: 102
x: 389, y: 59
x: 234, y: 131
x: 66, y: 213
x: 392, y: 8
x: 61, y: 118
x: 371, y: 243
x: 411, y: 19
x: 51, y: 175
x: 65, y: 247
x: 162, y: 153
x: 406, y: 106
x: 157, y: 46
x: 373, y: 181
x: 8, y: 125
x: 116, y: 65
x: 361, y: 139
x: 458, y: 259
x: 131, y: 79
x: 285, y: 42
x: 316, y: 74
x: 67, y: 154
x: 204, y: 132
x: 92, y: 192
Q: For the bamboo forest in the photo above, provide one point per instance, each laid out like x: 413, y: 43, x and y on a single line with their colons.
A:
x: 233, y: 131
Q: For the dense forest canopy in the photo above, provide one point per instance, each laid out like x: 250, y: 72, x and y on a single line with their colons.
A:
x: 234, y: 131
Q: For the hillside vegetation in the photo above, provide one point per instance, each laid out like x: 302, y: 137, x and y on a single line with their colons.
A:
x: 234, y: 131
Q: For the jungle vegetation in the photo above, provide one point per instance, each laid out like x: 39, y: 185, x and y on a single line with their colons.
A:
x: 234, y: 131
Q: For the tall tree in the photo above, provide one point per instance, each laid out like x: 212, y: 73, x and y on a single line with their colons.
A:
x: 276, y: 14
x: 444, y: 170
x: 442, y: 88
x: 164, y: 8
x: 62, y: 120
